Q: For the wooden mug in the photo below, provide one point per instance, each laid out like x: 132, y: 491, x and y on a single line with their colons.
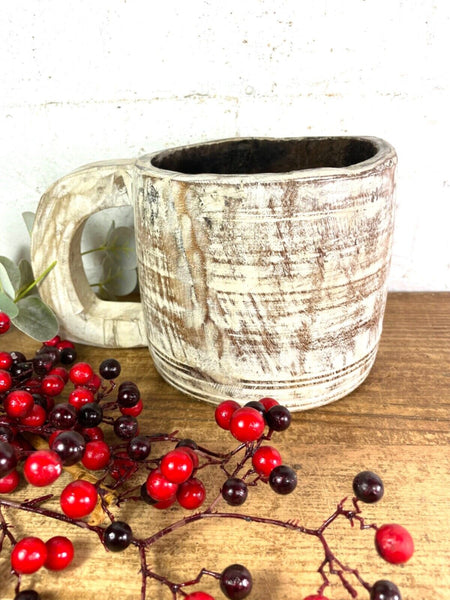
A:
x: 262, y: 263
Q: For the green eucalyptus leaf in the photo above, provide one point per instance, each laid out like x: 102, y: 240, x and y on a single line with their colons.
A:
x: 8, y: 306
x: 118, y: 282
x: 13, y: 273
x: 36, y: 319
x: 28, y: 217
x: 6, y: 285
x: 110, y: 232
x: 104, y: 294
x: 122, y: 247
x: 26, y: 274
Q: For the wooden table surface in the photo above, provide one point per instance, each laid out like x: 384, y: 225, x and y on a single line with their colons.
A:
x: 396, y: 424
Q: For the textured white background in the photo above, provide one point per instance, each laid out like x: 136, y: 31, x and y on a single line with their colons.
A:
x: 89, y: 80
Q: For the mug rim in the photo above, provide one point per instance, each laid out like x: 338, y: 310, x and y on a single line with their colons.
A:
x: 385, y: 152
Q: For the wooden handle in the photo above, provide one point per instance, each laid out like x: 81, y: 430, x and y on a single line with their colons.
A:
x: 56, y: 235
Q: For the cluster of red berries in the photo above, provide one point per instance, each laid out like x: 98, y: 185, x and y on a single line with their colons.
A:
x: 28, y: 389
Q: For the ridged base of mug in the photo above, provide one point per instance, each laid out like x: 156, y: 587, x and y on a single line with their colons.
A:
x: 297, y: 394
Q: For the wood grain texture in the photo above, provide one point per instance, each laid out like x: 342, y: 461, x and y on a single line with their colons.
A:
x: 396, y: 423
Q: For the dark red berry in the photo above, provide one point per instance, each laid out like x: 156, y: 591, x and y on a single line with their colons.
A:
x: 27, y: 595
x: 8, y: 458
x: 78, y: 499
x: 139, y: 447
x: 70, y: 447
x: 223, y: 413
x: 265, y: 459
x: 28, y: 555
x: 247, y: 424
x: 42, y: 468
x: 385, y: 590
x: 67, y: 355
x: 126, y: 427
x: 234, y: 491
x: 43, y: 364
x: 368, y: 487
x: 63, y: 416
x: 5, y: 322
x: 191, y: 494
x: 128, y: 394
x: 236, y: 582
x: 90, y: 415
x: 394, y: 543
x: 59, y: 553
x: 278, y: 418
x: 110, y: 368
x: 283, y: 479
x: 117, y: 536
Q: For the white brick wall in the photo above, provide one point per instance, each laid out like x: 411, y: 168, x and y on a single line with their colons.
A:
x: 99, y: 79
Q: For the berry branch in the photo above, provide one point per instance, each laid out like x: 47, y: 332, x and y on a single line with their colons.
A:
x: 41, y: 435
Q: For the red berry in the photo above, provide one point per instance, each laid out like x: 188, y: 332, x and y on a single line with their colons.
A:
x: 52, y: 343
x: 176, y: 466
x: 5, y: 360
x: 64, y: 344
x: 78, y: 499
x: 28, y: 555
x: 198, y: 596
x: 265, y: 459
x: 247, y: 424
x: 5, y: 381
x: 81, y: 373
x: 18, y: 403
x: 42, y: 468
x: 92, y: 434
x: 191, y: 494
x: 36, y: 417
x: 191, y: 452
x: 80, y: 396
x: 394, y: 543
x: 159, y: 487
x: 315, y: 597
x: 223, y: 413
x: 94, y: 383
x: 59, y: 553
x: 268, y: 402
x: 162, y: 504
x: 96, y: 455
x: 62, y: 372
x: 9, y: 482
x: 52, y: 385
x: 5, y: 322
x: 132, y: 411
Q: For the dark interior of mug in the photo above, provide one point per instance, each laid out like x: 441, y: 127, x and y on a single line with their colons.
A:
x: 259, y: 155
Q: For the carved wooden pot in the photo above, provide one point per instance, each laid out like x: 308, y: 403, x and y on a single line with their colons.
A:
x: 262, y: 263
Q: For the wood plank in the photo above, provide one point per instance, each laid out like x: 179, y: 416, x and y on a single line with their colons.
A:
x: 396, y: 423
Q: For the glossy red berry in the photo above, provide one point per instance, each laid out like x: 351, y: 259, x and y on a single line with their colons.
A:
x: 247, y: 424
x: 176, y: 466
x: 60, y: 553
x: 199, y: 596
x: 18, y: 403
x: 159, y: 487
x: 80, y: 396
x: 9, y: 482
x: 42, y: 468
x: 36, y: 417
x: 316, y: 597
x: 191, y: 494
x: 5, y: 360
x: 28, y: 555
x: 5, y: 381
x: 265, y: 459
x: 53, y: 341
x: 5, y: 322
x: 394, y: 543
x: 78, y: 499
x: 96, y: 455
x: 62, y: 372
x: 223, y: 413
x: 52, y: 385
x: 132, y: 411
x: 268, y: 403
x: 81, y: 373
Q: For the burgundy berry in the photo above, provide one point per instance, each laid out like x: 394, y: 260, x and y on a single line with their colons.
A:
x: 27, y: 595
x: 17, y: 357
x: 223, y: 413
x: 43, y: 364
x: 278, y: 418
x: 257, y: 405
x: 368, y: 487
x: 8, y: 459
x: 90, y: 415
x: 128, y: 394
x: 20, y: 371
x: 117, y: 536
x: 126, y: 427
x: 63, y: 416
x: 265, y: 459
x: 191, y: 494
x: 139, y: 447
x: 5, y: 323
x: 177, y: 466
x: 247, y: 424
x: 234, y: 491
x: 187, y: 443
x: 283, y: 479
x: 110, y: 368
x: 145, y: 495
x: 78, y: 499
x: 198, y: 596
x: 59, y: 553
x: 81, y: 373
x: 236, y: 582
x: 67, y: 355
x: 394, y: 543
x: 42, y: 468
x: 70, y: 447
x: 96, y: 455
x: 6, y: 433
x: 28, y: 555
x: 385, y: 590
